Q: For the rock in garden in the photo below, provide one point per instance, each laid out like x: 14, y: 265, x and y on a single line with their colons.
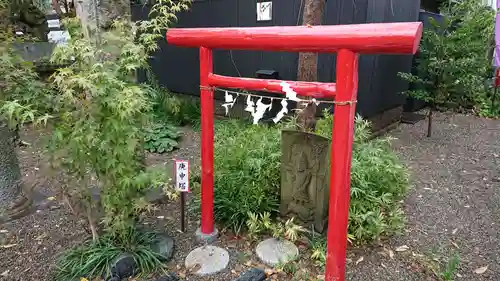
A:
x: 164, y: 246
x: 123, y: 266
x: 276, y: 251
x: 207, y: 260
x: 155, y: 195
x: 168, y: 277
x: 253, y: 274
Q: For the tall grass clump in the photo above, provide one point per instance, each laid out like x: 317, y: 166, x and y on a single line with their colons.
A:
x: 95, y: 258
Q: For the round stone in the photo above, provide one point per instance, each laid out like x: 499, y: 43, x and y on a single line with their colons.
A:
x: 123, y: 266
x: 207, y: 260
x: 163, y: 246
x: 276, y: 251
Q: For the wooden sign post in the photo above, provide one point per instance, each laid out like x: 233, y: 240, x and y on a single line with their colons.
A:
x: 181, y: 169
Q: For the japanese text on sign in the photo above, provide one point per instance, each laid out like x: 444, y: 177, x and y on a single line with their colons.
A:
x: 182, y: 175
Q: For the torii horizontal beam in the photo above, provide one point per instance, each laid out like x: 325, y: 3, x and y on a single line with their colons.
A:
x: 375, y: 38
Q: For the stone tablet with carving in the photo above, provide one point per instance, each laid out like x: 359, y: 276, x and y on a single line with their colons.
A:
x: 304, y: 177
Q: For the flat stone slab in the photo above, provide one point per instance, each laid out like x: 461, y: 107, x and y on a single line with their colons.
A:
x: 276, y: 251
x: 207, y: 260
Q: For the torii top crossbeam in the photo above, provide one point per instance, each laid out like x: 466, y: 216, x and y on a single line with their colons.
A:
x: 375, y: 38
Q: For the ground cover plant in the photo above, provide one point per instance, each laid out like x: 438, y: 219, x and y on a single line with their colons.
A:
x: 161, y: 137
x: 100, y: 253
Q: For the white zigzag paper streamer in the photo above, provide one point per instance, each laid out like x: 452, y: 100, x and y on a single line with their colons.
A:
x: 230, y: 100
x: 289, y: 92
x: 283, y: 111
x: 258, y: 109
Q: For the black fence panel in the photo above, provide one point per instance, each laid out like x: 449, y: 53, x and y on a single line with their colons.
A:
x: 379, y: 85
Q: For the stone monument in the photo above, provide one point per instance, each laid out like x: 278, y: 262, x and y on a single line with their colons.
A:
x: 304, y: 177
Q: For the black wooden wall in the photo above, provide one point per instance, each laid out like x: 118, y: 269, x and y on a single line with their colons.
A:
x: 379, y: 86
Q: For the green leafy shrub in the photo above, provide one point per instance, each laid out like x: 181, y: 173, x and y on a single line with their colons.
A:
x: 489, y: 105
x: 180, y: 110
x: 161, y: 137
x: 94, y: 258
x: 378, y: 182
x: 102, y: 112
x: 247, y: 177
x: 24, y: 97
x: 99, y: 136
x: 246, y: 172
x: 455, y: 59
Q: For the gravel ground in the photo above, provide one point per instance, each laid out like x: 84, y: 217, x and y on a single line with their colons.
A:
x: 453, y: 207
x: 452, y: 210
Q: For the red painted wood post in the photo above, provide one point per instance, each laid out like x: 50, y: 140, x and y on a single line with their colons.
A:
x: 340, y: 164
x: 207, y: 142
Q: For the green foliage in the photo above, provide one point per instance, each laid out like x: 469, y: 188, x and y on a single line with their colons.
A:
x: 261, y: 223
x: 23, y: 96
x: 176, y: 109
x: 317, y: 243
x: 94, y: 258
x: 378, y: 182
x: 161, y: 137
x: 102, y: 113
x: 450, y: 270
x: 247, y: 178
x: 246, y: 172
x: 454, y: 60
x: 489, y: 105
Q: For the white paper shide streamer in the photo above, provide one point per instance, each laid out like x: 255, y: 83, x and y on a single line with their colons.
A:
x: 229, y: 101
x: 258, y: 109
x: 283, y: 111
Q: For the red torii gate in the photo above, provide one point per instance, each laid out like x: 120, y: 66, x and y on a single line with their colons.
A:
x: 347, y: 41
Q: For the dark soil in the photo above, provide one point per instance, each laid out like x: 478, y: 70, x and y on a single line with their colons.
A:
x: 452, y: 210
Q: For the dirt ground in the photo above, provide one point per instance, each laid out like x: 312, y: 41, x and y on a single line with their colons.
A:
x: 452, y: 211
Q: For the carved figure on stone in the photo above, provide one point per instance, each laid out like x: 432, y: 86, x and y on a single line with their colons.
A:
x: 304, y: 177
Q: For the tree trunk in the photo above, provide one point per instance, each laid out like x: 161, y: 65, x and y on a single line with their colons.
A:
x: 13, y: 203
x: 57, y: 7
x: 102, y: 13
x: 112, y: 10
x: 308, y: 64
